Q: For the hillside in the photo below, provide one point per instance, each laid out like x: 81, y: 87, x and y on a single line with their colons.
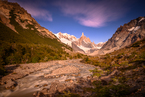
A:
x: 125, y: 69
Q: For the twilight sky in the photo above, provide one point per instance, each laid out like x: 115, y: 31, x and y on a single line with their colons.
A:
x: 98, y: 19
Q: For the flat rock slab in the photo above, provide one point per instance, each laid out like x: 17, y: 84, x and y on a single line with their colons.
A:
x: 65, y: 70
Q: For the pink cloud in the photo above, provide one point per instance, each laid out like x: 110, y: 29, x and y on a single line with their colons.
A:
x: 34, y: 8
x: 93, y: 14
x: 39, y: 13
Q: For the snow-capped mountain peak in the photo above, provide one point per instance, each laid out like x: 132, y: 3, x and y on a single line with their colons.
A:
x: 83, y: 44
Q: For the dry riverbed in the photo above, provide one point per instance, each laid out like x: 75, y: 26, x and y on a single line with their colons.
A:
x: 25, y: 79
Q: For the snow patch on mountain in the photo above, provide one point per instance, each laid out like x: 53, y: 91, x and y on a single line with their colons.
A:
x: 84, y: 48
x: 141, y: 19
x: 66, y: 41
x: 134, y: 28
x: 66, y: 38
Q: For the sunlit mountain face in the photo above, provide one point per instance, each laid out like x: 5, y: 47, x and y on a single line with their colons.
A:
x: 82, y: 44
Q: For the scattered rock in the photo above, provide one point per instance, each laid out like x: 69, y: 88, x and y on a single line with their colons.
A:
x: 134, y: 89
x: 45, y: 85
x: 89, y: 77
x: 38, y: 94
x: 53, y: 87
x: 61, y: 87
x: 10, y: 84
x: 44, y: 91
x: 68, y: 80
x: 36, y: 85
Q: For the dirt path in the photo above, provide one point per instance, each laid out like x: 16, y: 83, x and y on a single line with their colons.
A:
x: 28, y: 78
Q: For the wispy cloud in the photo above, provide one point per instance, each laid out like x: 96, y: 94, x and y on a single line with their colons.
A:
x: 93, y: 13
x: 34, y: 8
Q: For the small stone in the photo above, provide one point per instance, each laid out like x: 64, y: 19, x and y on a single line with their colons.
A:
x: 93, y: 79
x: 88, y: 77
x: 68, y: 80
x: 35, y: 94
x: 44, y: 91
x: 73, y: 75
x: 56, y: 76
x: 106, y: 81
x: 36, y: 85
x: 61, y: 75
x: 61, y: 87
x: 79, y: 74
x: 45, y: 85
x: 71, y: 81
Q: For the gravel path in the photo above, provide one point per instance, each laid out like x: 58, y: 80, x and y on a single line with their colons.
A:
x: 36, y: 76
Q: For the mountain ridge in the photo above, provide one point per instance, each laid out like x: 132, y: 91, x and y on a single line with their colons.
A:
x: 125, y: 35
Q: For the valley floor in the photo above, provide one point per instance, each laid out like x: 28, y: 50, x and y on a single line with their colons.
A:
x: 69, y: 78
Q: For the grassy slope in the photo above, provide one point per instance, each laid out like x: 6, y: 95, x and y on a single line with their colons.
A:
x: 33, y: 35
x: 130, y: 62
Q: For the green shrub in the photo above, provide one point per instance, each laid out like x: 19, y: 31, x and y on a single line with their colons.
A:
x: 136, y: 44
x: 142, y: 55
x: 125, y: 63
x: 107, y: 56
x: 120, y: 55
x: 35, y: 59
x: 132, y: 55
x: 2, y: 70
x: 110, y: 90
x: 97, y: 72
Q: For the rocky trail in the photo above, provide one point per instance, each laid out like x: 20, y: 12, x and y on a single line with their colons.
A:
x: 25, y: 79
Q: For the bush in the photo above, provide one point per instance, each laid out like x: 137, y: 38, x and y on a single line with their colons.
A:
x: 97, y: 72
x: 107, y: 56
x: 136, y: 44
x: 2, y: 70
x: 35, y: 59
x: 111, y: 90
x: 125, y: 63
x: 142, y: 55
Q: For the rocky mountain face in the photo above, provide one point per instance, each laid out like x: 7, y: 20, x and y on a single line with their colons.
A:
x: 82, y: 45
x: 22, y: 17
x: 125, y: 35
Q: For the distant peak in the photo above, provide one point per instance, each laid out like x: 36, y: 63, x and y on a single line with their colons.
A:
x: 82, y: 34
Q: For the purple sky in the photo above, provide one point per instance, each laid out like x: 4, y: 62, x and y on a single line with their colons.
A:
x: 98, y: 19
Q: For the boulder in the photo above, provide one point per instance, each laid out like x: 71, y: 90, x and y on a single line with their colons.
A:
x: 61, y: 87
x: 10, y: 84
x: 53, y: 87
x: 38, y: 94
